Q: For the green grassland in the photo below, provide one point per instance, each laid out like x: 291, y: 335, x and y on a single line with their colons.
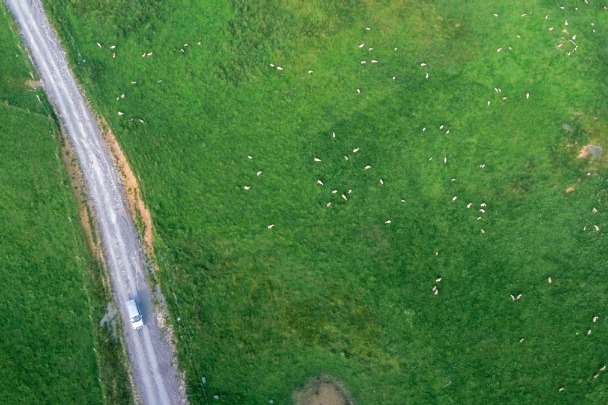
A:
x: 336, y: 289
x: 51, y: 349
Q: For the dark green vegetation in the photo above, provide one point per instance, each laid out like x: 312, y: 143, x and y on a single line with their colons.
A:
x: 335, y: 289
x: 51, y: 295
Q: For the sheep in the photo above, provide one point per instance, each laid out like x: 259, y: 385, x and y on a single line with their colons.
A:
x: 259, y: 173
x: 344, y: 197
x: 317, y: 160
x: 367, y: 167
x: 356, y: 150
x: 388, y: 221
x: 549, y: 280
x: 270, y: 226
x: 319, y: 182
x: 246, y: 187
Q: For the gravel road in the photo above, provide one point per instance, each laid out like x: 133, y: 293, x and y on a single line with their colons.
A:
x: 151, y: 356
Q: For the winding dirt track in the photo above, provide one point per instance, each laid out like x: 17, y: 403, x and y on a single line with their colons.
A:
x: 151, y: 357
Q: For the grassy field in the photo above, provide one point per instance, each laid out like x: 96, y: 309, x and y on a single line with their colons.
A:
x: 51, y: 349
x: 508, y: 102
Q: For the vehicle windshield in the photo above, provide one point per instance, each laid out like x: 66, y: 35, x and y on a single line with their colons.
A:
x: 136, y: 318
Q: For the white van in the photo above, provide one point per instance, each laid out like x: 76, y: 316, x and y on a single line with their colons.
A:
x: 134, y: 314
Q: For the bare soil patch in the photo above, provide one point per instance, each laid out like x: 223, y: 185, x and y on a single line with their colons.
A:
x: 323, y: 390
x: 33, y: 84
x: 590, y: 150
x: 137, y: 207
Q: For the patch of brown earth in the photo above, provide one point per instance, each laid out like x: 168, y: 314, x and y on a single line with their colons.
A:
x: 584, y: 152
x: 33, y: 84
x: 139, y: 211
x: 323, y: 390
